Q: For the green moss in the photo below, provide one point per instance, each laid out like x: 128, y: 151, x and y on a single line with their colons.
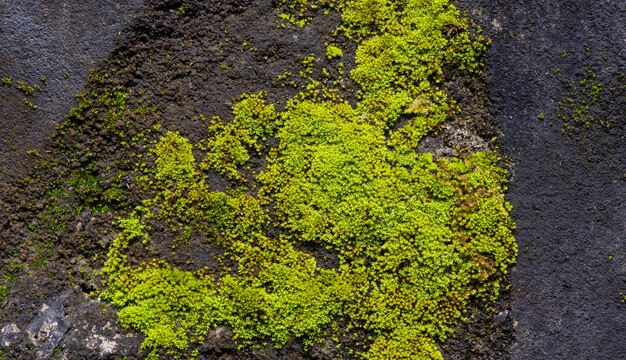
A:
x: 108, y: 106
x: 333, y: 52
x: 403, y: 62
x: 175, y: 163
x: 25, y: 89
x: 229, y: 145
x: 171, y: 307
x: 428, y: 235
x: 308, y: 63
x: 335, y: 183
x: 587, y: 104
x: 116, y: 103
x: 299, y: 12
x: 30, y: 104
x: 8, y: 278
x: 4, y: 292
x: 416, y: 238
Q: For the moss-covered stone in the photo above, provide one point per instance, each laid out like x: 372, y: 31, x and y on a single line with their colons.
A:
x: 417, y: 237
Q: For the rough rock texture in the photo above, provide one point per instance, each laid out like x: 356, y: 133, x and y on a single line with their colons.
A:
x: 94, y: 332
x: 568, y: 196
x: 60, y: 40
x: 9, y: 335
x: 48, y: 327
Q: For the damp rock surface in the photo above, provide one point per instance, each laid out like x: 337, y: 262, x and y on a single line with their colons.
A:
x: 568, y: 195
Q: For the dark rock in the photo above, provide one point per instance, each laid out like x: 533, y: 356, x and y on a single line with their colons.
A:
x: 570, y: 215
x: 322, y: 351
x: 503, y: 316
x: 49, y: 326
x: 219, y: 339
x: 5, y: 221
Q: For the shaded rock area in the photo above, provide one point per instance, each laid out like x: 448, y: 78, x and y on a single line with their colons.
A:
x: 569, y: 196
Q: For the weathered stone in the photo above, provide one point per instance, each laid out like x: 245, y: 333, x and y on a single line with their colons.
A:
x: 49, y: 326
x: 9, y: 335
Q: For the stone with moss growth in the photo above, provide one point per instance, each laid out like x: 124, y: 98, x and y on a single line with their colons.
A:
x: 417, y: 238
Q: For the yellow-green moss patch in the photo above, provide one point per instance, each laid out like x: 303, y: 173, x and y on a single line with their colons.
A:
x: 416, y: 237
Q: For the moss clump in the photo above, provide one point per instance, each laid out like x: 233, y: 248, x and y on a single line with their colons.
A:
x: 277, y: 291
x: 416, y: 237
x: 400, y: 68
x: 169, y: 306
x: 175, y: 163
x: 25, y: 89
x: 333, y: 52
x: 229, y: 145
x: 4, y: 292
x: 427, y: 236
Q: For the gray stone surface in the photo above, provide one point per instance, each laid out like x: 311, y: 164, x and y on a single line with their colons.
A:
x: 9, y: 334
x: 568, y: 196
x: 48, y: 327
x: 60, y: 40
